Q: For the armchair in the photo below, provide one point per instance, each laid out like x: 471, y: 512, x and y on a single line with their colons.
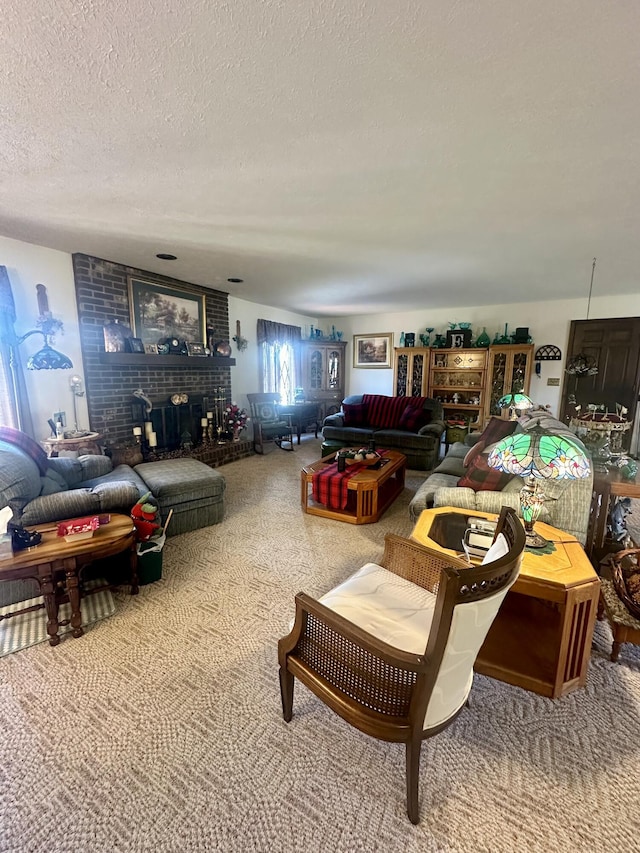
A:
x: 391, y: 650
x: 268, y: 423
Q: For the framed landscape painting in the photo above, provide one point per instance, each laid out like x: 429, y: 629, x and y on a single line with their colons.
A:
x: 372, y: 350
x: 162, y: 311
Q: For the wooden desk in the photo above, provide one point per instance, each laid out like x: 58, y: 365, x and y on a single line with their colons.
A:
x: 607, y: 487
x: 56, y: 565
x: 541, y: 637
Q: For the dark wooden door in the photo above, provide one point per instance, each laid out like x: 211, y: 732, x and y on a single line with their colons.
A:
x: 614, y: 345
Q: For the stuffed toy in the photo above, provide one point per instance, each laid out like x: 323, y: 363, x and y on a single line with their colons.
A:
x: 144, y: 514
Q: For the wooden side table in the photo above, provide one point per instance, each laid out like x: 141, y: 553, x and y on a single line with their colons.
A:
x: 57, y: 565
x: 541, y: 637
x: 607, y: 487
x: 86, y: 444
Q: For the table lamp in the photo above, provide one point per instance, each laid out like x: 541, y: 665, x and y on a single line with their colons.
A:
x: 538, y: 455
x: 515, y: 401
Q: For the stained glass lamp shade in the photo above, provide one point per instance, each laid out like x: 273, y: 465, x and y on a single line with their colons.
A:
x: 46, y: 358
x: 513, y: 402
x: 537, y: 455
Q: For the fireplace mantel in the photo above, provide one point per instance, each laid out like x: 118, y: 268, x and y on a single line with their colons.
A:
x: 135, y: 359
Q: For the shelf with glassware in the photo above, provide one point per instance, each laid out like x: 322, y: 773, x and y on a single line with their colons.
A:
x: 322, y: 364
x: 411, y: 371
x: 508, y: 371
x: 457, y: 380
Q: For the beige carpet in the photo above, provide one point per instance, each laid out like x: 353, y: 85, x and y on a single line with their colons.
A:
x: 161, y: 729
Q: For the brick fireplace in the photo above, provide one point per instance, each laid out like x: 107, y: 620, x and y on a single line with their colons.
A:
x: 111, y: 378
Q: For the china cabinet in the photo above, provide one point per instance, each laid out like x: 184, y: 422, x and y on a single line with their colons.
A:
x: 457, y: 379
x: 322, y: 365
x: 411, y: 371
x: 508, y: 371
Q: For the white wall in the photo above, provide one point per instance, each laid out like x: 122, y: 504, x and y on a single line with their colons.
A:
x: 548, y: 323
x: 28, y: 265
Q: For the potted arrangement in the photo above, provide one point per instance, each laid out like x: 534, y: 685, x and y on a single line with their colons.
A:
x: 236, y: 419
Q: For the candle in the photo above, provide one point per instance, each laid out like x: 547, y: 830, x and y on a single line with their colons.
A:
x: 137, y: 430
x: 148, y: 428
x: 210, y: 416
x: 204, y: 422
x: 153, y: 439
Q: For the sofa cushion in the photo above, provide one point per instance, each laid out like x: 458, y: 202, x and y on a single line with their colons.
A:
x: 27, y: 444
x: 479, y: 476
x: 348, y: 435
x: 19, y: 478
x: 402, y: 440
x: 121, y: 474
x: 52, y: 483
x: 355, y: 414
x: 413, y: 418
x: 384, y: 412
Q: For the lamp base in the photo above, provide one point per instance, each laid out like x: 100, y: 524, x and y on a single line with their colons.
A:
x: 534, y: 540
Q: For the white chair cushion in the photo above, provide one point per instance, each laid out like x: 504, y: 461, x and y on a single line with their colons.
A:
x: 498, y: 549
x: 391, y: 608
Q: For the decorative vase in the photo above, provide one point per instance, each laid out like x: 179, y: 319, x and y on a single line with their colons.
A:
x: 483, y: 338
x: 236, y: 433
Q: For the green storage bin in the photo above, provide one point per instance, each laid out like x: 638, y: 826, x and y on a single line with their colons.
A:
x: 150, y: 560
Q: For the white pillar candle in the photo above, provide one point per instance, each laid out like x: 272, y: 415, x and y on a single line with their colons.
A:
x: 148, y: 428
x: 153, y: 439
x: 210, y: 416
x: 137, y: 430
x: 204, y: 422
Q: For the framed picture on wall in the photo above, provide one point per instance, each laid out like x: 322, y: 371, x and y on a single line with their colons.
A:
x: 372, y: 350
x: 161, y: 311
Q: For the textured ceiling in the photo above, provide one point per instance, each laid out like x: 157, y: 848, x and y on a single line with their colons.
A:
x: 340, y: 157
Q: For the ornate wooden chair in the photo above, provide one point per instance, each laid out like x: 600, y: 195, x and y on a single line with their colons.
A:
x: 391, y: 650
x: 268, y: 423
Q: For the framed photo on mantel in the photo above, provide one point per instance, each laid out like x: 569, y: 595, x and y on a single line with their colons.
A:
x: 161, y: 311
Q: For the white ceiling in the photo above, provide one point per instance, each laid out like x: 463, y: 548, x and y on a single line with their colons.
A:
x: 340, y: 157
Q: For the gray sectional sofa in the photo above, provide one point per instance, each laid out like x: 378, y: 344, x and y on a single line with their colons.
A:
x: 378, y: 417
x: 40, y: 490
x: 567, y: 504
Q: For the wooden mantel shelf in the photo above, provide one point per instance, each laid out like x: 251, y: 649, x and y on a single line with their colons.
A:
x: 137, y: 359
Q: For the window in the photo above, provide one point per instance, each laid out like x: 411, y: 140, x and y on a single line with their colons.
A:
x: 278, y: 370
x: 278, y: 358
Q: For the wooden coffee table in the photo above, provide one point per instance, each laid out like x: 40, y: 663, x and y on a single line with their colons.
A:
x: 56, y: 566
x: 541, y: 637
x: 370, y: 492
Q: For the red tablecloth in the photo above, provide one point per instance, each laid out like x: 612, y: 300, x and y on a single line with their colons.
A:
x: 329, y: 486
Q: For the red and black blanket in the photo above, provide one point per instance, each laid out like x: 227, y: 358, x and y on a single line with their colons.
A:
x: 330, y: 487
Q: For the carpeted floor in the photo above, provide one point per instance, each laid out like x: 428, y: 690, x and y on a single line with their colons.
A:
x: 161, y: 729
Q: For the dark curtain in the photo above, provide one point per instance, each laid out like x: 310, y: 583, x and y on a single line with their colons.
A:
x: 14, y: 403
x: 278, y: 333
